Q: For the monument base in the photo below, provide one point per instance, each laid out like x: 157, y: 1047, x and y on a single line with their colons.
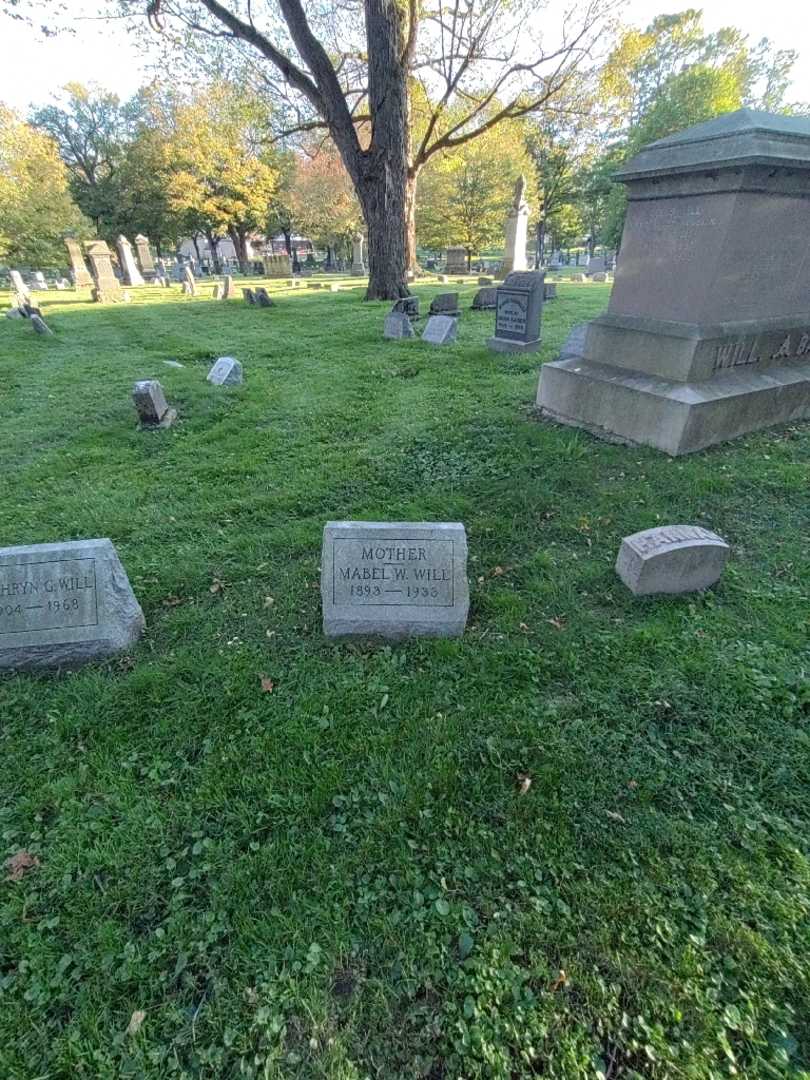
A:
x: 676, y: 417
x: 505, y: 345
x: 169, y: 418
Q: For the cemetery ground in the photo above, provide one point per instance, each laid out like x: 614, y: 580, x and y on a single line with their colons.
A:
x: 572, y: 843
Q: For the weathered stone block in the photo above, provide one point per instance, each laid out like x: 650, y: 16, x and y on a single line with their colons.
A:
x: 671, y: 559
x: 394, y: 579
x: 64, y: 604
x: 150, y: 401
x: 227, y: 371
x: 440, y: 330
x: 398, y: 325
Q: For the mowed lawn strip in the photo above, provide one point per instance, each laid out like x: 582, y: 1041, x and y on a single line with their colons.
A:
x: 348, y: 875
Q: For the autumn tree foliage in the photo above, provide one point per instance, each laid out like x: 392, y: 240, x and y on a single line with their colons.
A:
x: 322, y: 199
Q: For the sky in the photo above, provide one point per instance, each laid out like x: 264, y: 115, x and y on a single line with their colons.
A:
x: 101, y: 52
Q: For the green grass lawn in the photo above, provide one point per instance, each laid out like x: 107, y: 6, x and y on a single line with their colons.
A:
x: 342, y: 877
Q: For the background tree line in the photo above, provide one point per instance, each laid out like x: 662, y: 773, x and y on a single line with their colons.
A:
x: 231, y: 156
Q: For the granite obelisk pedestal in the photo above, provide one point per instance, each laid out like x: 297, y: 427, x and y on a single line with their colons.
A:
x: 707, y: 333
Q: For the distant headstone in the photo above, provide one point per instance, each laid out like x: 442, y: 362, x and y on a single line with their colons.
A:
x: 107, y: 287
x: 216, y: 293
x: 455, y: 260
x: 517, y: 315
x: 334, y: 286
x: 596, y: 265
x: 126, y: 260
x: 443, y: 278
x: 394, y: 580
x: 39, y: 281
x: 78, y: 267
x: 398, y: 325
x: 144, y: 254
x: 407, y: 305
x: 227, y: 371
x: 440, y: 330
x: 188, y: 278
x: 40, y: 325
x: 150, y: 401
x: 486, y: 281
x: 358, y: 263
x: 249, y: 296
x: 262, y: 297
x: 60, y: 284
x: 277, y: 266
x: 19, y: 286
x: 485, y: 299
x: 187, y: 288
x: 444, y: 304
x: 600, y: 275
x: 227, y: 285
x: 577, y: 277
x: 64, y: 604
x: 549, y: 290
x: 671, y: 559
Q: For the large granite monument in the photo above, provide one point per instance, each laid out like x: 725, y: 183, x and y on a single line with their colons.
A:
x: 455, y: 260
x: 145, y: 260
x: 78, y: 267
x: 707, y: 333
x: 394, y: 579
x: 64, y: 604
x: 517, y: 224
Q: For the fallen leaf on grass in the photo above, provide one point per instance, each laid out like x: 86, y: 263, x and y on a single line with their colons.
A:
x: 215, y: 586
x: 524, y: 628
x: 268, y: 601
x: 19, y: 863
x: 135, y: 1021
x: 524, y: 782
x: 560, y: 982
x: 267, y: 684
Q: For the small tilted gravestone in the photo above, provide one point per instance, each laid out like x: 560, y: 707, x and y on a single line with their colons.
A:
x: 440, y: 330
x: 550, y: 290
x: 150, y: 401
x: 398, y: 325
x: 227, y: 285
x: 444, y: 304
x: 216, y: 293
x: 227, y: 371
x: 64, y: 604
x: 262, y: 297
x: 40, y: 325
x: 248, y: 296
x: 187, y: 289
x: 189, y: 282
x: 671, y: 559
x: 408, y: 305
x: 394, y: 579
x: 485, y: 300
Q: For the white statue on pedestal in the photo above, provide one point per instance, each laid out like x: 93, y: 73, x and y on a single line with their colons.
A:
x: 517, y: 224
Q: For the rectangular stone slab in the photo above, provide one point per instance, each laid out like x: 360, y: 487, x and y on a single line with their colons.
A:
x: 394, y: 579
x: 64, y: 604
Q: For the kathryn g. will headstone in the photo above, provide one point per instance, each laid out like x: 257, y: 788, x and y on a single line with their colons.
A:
x: 394, y: 579
x: 64, y: 604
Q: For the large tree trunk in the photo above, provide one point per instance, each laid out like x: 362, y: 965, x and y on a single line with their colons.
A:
x: 212, y: 247
x: 412, y: 264
x: 383, y: 168
x: 238, y: 239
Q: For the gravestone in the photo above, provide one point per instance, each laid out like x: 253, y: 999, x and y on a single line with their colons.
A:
x: 518, y: 310
x: 187, y: 289
x: 671, y: 559
x: 444, y: 304
x: 107, y: 287
x: 455, y: 260
x: 189, y: 280
x: 216, y: 292
x: 78, y: 267
x: 485, y: 300
x: 248, y: 295
x: 14, y: 313
x: 39, y: 281
x: 394, y: 580
x: 440, y: 330
x: 577, y: 277
x: 144, y: 254
x: 227, y: 371
x: 40, y: 325
x: 19, y: 286
x: 358, y: 265
x: 600, y: 275
x: 277, y: 266
x: 707, y: 331
x: 262, y: 297
x: 398, y: 325
x: 407, y: 305
x: 596, y: 265
x: 228, y: 289
x: 126, y: 260
x: 150, y: 401
x: 64, y: 604
x: 486, y: 281
x: 443, y: 278
x: 549, y: 290
x: 517, y: 223
x: 60, y: 284
x: 573, y: 344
